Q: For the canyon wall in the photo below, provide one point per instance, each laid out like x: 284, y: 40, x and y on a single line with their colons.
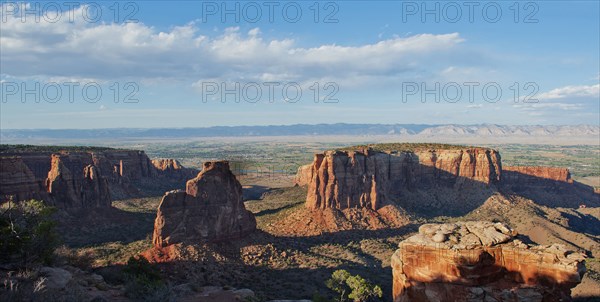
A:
x: 481, y: 261
x: 371, y: 179
x: 210, y: 209
x: 82, y: 179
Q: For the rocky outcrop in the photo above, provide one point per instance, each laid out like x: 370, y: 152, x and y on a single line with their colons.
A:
x: 78, y: 179
x: 210, y: 209
x: 370, y: 179
x: 481, y: 261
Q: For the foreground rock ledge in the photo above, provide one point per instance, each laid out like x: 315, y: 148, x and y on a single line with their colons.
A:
x: 481, y: 261
x: 211, y: 209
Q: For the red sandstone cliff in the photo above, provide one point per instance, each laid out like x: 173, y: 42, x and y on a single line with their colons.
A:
x: 480, y: 261
x: 211, y: 209
x: 370, y: 179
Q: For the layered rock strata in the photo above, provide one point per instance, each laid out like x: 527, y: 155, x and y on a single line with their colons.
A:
x: 481, y: 261
x: 210, y: 209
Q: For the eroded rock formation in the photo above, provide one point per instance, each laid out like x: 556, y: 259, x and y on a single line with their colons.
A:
x: 210, y: 209
x: 368, y: 178
x: 481, y: 261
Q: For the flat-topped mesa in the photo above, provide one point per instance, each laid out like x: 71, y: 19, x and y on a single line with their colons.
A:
x: 370, y: 178
x: 211, y: 209
x: 481, y: 261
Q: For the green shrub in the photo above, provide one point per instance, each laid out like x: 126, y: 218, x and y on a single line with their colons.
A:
x: 27, y: 233
x: 360, y: 290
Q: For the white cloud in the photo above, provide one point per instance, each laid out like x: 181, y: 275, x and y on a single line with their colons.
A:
x: 554, y: 105
x: 86, y: 50
x: 549, y: 104
x: 572, y: 92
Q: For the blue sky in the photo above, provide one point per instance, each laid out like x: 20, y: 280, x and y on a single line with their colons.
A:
x: 371, y: 62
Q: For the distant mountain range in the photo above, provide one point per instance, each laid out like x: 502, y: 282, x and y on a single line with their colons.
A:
x: 408, y: 130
